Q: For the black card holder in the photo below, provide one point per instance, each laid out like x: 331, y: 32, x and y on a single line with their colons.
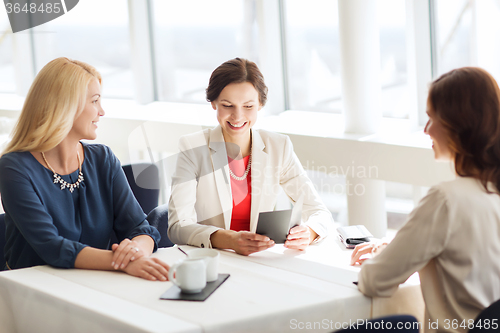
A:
x: 174, y: 293
x: 353, y: 235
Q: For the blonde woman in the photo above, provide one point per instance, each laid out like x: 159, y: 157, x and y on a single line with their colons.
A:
x: 62, y: 197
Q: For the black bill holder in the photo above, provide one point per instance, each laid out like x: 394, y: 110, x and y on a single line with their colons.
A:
x: 174, y: 293
x: 353, y: 235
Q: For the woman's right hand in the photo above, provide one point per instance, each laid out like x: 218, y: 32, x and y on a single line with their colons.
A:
x: 125, y: 252
x: 148, y: 268
x: 245, y: 242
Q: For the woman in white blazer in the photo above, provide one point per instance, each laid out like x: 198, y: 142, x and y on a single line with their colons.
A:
x: 227, y: 175
x: 452, y: 237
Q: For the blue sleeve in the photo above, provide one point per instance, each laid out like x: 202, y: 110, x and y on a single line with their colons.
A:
x: 24, y: 207
x: 129, y: 218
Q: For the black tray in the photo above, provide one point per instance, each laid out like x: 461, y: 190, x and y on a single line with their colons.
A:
x: 174, y: 293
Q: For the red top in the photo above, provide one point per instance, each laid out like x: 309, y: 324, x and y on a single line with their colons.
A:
x: 242, y: 195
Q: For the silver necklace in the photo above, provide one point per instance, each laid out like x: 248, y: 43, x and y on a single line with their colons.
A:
x: 246, y: 171
x: 65, y: 184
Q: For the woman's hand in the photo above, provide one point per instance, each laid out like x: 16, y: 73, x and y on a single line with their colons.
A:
x: 245, y: 242
x: 148, y: 268
x: 373, y: 248
x: 300, y: 237
x: 126, y: 252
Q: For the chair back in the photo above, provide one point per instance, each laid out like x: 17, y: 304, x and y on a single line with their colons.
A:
x: 2, y: 241
x: 488, y: 320
x: 144, y: 180
x: 158, y: 218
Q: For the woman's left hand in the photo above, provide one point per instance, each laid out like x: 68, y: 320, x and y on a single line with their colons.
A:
x: 127, y: 251
x: 300, y: 237
x: 369, y: 248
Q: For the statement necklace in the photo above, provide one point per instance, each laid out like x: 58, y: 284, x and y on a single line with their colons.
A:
x: 65, y: 184
x: 246, y: 171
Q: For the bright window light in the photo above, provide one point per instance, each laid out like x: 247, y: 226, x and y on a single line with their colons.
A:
x: 7, y: 76
x: 96, y: 32
x: 467, y: 35
x: 313, y: 56
x: 193, y: 37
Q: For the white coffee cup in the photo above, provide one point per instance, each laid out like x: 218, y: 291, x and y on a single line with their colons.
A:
x: 190, y: 275
x: 211, y: 258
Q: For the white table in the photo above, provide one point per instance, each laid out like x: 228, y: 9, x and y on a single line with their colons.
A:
x: 277, y: 290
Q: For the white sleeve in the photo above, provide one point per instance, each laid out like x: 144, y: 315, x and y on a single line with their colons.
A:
x: 183, y: 226
x: 422, y: 238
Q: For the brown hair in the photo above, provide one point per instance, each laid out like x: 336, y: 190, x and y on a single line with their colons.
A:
x: 236, y: 71
x: 467, y: 102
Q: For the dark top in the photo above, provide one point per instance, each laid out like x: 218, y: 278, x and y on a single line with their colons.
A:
x: 47, y: 225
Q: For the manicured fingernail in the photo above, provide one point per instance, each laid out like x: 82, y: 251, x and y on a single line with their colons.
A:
x: 116, y: 266
x: 122, y: 266
x: 113, y: 263
x: 132, y: 259
x: 163, y: 278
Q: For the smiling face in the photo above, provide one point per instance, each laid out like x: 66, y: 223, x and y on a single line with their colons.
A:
x: 85, y: 125
x: 435, y: 129
x: 237, y: 107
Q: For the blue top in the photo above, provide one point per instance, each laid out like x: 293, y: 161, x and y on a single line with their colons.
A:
x: 47, y: 225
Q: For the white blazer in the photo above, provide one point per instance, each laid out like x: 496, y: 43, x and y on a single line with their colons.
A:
x: 201, y: 201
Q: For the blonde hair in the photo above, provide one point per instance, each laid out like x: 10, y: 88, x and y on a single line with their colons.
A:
x: 56, y: 97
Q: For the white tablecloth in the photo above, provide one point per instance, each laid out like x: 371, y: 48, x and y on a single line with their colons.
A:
x: 277, y: 290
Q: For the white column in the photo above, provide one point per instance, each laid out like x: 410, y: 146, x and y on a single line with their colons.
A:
x: 141, y: 56
x: 360, y: 74
x: 418, y: 193
x: 271, y: 53
x: 360, y: 60
x: 366, y: 204
x: 419, y: 59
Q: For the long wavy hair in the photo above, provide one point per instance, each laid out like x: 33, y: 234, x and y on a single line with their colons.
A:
x: 467, y: 102
x: 56, y: 97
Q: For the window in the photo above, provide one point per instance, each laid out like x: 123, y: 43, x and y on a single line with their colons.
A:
x: 453, y: 34
x: 312, y: 53
x: 193, y: 37
x: 467, y: 34
x: 7, y: 76
x: 95, y: 32
x: 313, y: 57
